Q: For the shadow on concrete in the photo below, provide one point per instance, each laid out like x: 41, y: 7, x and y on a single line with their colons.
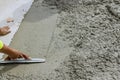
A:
x: 6, y: 67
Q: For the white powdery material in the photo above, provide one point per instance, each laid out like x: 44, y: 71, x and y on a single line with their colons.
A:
x: 15, y: 9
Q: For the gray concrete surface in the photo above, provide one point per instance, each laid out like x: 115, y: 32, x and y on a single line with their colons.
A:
x: 81, y: 42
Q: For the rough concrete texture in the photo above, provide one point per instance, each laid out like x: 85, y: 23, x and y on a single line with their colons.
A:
x: 92, y: 28
x: 84, y: 43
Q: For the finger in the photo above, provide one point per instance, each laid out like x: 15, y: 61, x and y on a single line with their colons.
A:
x: 25, y: 56
x: 7, y: 58
x: 6, y: 27
x: 20, y: 56
x: 8, y: 31
x: 10, y: 20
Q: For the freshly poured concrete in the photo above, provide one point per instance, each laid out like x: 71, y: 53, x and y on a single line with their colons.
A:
x: 91, y: 28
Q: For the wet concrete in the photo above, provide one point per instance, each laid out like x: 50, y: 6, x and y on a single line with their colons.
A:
x: 33, y: 38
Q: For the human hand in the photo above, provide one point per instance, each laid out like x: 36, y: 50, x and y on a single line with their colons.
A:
x: 4, y: 30
x: 17, y: 55
x: 13, y: 53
